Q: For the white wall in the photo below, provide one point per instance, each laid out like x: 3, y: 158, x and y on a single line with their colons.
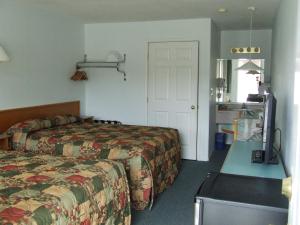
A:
x: 43, y: 47
x: 109, y: 97
x: 283, y: 72
x: 295, y: 205
x: 285, y: 84
x: 240, y: 38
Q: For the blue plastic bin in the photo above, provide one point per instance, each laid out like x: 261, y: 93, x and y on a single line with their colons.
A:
x: 220, y: 141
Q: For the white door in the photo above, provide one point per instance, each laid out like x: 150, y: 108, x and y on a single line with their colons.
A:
x: 172, y: 90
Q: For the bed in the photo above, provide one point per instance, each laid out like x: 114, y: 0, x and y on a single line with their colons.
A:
x: 46, y: 190
x: 151, y: 155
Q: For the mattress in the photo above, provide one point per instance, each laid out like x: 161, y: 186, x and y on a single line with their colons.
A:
x: 60, y: 190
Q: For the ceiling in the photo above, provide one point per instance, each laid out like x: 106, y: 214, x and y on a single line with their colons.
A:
x: 237, y: 16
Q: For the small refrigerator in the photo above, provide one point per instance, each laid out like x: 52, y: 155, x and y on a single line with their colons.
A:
x: 227, y: 199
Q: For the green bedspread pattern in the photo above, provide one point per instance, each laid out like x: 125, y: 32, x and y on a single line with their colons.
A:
x: 151, y: 155
x: 44, y: 190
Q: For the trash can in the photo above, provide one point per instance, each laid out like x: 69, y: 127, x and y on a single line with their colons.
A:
x: 220, y: 141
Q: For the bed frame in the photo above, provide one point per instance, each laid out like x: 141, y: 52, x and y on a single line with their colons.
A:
x: 12, y: 116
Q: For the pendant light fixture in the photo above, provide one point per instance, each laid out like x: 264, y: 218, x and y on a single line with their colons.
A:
x: 250, y: 65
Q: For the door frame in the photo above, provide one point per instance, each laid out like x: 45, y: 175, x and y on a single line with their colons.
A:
x: 147, y: 47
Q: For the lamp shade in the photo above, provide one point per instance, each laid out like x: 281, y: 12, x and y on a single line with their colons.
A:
x: 3, y: 56
x: 250, y: 66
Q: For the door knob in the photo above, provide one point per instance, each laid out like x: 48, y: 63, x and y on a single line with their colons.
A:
x: 193, y: 107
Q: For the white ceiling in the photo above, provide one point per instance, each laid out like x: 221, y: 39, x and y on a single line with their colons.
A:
x: 237, y: 17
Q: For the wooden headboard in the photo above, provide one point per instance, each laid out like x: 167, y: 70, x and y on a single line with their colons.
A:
x: 12, y: 116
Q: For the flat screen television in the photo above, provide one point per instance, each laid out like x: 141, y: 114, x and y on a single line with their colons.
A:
x: 269, y: 129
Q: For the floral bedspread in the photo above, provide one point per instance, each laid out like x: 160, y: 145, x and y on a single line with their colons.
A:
x: 151, y: 155
x: 44, y: 190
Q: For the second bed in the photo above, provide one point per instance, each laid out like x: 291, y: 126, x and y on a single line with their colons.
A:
x: 48, y: 190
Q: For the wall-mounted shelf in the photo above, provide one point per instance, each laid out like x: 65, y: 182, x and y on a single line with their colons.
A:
x: 102, y: 64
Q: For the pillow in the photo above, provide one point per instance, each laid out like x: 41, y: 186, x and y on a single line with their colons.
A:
x: 65, y: 119
x: 20, y: 131
x: 30, y: 125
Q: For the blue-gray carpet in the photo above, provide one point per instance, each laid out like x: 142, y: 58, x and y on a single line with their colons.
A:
x: 175, y: 205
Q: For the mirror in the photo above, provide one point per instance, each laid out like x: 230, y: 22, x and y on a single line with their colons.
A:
x: 234, y: 85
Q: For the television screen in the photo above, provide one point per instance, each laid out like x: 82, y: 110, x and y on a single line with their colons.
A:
x: 269, y: 129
